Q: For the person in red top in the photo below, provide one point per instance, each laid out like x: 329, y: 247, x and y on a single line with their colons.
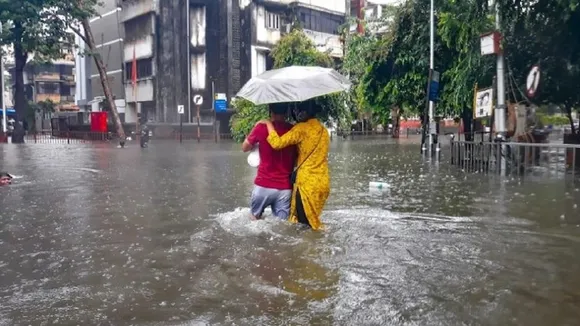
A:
x: 272, y: 184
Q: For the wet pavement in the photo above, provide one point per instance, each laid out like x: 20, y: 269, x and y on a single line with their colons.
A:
x: 94, y: 235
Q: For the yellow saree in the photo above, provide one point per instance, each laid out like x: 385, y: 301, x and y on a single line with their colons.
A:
x: 312, y: 185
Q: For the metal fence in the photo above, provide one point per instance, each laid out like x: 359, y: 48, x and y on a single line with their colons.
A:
x: 76, y: 137
x: 516, y: 158
x: 67, y: 137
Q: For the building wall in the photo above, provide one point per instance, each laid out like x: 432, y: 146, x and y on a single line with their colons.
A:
x: 108, y: 34
x: 139, y: 24
x: 229, y: 42
x: 267, y: 21
x: 171, y: 59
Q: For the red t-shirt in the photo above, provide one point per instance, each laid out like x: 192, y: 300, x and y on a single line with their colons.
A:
x: 275, y: 165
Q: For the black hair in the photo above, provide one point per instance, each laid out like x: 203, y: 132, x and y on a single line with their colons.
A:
x: 308, y: 107
x: 279, y: 108
x: 5, y: 175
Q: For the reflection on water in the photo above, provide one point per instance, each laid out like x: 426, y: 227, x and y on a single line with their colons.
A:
x: 94, y: 235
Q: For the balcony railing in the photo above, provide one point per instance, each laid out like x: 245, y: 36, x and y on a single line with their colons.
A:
x: 70, y: 78
x: 67, y: 99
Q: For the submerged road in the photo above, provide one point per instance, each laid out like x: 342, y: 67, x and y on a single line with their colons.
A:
x: 94, y: 235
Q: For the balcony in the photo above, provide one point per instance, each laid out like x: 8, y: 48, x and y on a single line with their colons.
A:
x: 136, y: 8
x: 336, y: 7
x: 67, y: 99
x: 325, y: 42
x: 47, y: 76
x: 68, y: 79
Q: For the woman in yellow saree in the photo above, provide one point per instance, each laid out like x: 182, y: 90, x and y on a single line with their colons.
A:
x: 312, y: 185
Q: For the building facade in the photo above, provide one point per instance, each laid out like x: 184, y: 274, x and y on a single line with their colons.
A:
x: 53, y: 82
x: 108, y: 33
x: 184, y: 48
x: 266, y: 21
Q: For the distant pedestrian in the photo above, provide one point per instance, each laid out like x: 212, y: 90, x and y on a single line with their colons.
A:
x: 144, y: 139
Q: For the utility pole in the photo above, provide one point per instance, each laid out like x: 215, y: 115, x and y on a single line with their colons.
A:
x: 500, y: 116
x: 432, y: 128
x: 188, y: 17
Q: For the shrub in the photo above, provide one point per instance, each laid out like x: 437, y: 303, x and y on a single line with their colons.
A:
x: 246, y: 116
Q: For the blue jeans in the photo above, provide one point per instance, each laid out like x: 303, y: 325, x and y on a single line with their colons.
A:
x: 279, y: 200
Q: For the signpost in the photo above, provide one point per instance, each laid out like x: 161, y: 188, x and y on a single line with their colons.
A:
x: 181, y: 111
x: 220, y: 102
x: 198, y: 101
x: 432, y: 98
x: 533, y: 81
x: 434, y: 86
x: 483, y: 103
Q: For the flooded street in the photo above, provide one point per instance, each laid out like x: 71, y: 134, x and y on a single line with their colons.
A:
x: 94, y: 235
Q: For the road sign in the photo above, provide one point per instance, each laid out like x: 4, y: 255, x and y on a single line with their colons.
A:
x: 198, y: 99
x: 533, y: 81
x: 180, y: 109
x: 483, y: 103
x: 220, y: 102
x: 434, y: 86
x: 490, y: 43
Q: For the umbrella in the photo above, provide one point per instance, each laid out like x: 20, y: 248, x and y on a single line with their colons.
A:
x: 293, y: 84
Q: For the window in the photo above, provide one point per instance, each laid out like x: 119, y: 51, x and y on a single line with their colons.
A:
x: 66, y: 70
x: 48, y: 88
x: 272, y: 20
x: 144, y: 69
x: 65, y: 90
x: 138, y: 28
x: 47, y: 69
x: 320, y: 22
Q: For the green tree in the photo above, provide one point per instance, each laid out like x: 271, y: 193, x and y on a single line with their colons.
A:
x: 30, y: 26
x: 398, y: 63
x: 460, y: 25
x: 246, y: 116
x: 546, y: 33
x: 42, y: 109
x: 42, y: 28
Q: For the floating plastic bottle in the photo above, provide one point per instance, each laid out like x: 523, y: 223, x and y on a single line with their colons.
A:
x: 378, y: 185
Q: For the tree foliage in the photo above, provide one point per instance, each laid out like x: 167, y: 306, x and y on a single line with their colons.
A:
x: 30, y: 26
x: 246, y: 116
x: 296, y: 49
x: 39, y: 27
x: 42, y: 28
x: 545, y: 33
x: 391, y: 69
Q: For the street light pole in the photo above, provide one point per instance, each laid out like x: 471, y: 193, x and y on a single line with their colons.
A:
x: 188, y: 26
x: 432, y: 128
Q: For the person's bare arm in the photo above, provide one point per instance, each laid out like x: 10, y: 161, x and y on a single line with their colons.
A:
x: 250, y: 141
x: 246, y: 146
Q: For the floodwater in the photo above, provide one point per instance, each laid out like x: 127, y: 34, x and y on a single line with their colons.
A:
x: 95, y: 235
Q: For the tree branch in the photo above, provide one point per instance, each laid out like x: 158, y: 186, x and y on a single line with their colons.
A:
x: 79, y: 33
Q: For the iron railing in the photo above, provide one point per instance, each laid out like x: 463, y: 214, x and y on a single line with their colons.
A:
x: 516, y: 158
